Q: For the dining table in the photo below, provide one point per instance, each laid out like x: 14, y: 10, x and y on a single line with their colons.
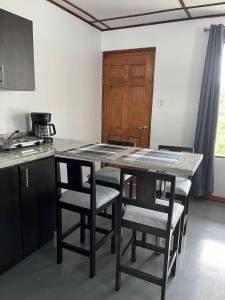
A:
x: 180, y: 164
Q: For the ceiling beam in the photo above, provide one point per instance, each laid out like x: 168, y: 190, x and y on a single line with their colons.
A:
x: 86, y: 13
x: 166, y: 21
x: 185, y: 8
x: 74, y: 14
x: 161, y: 11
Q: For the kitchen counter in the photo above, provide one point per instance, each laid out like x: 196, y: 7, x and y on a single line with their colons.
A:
x: 20, y: 156
x: 185, y: 166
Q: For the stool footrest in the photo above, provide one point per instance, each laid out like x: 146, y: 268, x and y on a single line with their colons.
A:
x: 70, y: 230
x: 127, y: 246
x: 98, y: 229
x: 104, y: 239
x: 149, y: 246
x: 105, y: 215
x: 141, y: 275
x: 76, y: 249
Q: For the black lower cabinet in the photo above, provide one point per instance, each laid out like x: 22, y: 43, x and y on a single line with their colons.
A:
x: 27, y: 209
x: 10, y: 218
x: 37, y: 180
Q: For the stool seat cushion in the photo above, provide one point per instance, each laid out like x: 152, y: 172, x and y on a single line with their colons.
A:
x: 182, y: 186
x: 103, y: 195
x: 153, y: 218
x: 110, y: 175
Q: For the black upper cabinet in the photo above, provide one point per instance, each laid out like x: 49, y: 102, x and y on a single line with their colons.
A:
x: 10, y: 218
x: 16, y: 53
x: 37, y: 203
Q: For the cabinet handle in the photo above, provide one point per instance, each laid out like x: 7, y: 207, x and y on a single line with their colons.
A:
x: 2, y: 81
x: 27, y: 177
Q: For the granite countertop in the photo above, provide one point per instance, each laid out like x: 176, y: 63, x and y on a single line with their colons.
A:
x: 185, y: 166
x: 16, y: 157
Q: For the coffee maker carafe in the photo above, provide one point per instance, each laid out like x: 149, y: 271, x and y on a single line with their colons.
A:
x: 41, y: 126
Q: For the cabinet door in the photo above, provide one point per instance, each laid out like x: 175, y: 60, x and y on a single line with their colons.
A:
x: 16, y: 52
x: 10, y: 218
x: 38, y: 203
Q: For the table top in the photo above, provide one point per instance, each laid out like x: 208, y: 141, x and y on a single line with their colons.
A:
x: 177, y: 163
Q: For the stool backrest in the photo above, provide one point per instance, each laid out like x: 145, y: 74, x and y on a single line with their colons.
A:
x: 146, y: 188
x: 74, y: 172
x: 176, y: 148
x: 121, y: 143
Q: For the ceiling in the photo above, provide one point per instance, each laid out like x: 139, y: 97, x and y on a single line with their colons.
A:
x: 111, y: 15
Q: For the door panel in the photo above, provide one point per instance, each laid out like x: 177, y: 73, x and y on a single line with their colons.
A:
x: 116, y: 107
x: 134, y: 110
x: 138, y: 72
x: 119, y: 72
x: 127, y: 96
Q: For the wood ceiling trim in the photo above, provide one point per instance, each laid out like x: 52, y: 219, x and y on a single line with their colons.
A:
x: 74, y: 14
x: 108, y: 28
x: 142, y: 14
x: 185, y: 8
x: 161, y: 11
x: 86, y: 13
x: 166, y: 21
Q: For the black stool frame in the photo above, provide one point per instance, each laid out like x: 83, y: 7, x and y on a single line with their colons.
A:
x: 75, y: 183
x: 146, y: 198
x: 184, y: 200
x: 114, y: 185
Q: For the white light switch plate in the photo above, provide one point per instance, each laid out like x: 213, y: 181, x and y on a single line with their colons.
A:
x: 160, y: 103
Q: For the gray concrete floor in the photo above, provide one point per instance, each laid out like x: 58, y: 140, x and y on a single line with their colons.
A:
x: 200, y: 272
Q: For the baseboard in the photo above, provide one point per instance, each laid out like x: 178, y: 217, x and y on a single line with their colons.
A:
x: 216, y: 198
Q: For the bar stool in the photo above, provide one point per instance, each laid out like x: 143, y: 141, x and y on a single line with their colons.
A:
x: 110, y: 176
x: 86, y: 199
x: 182, y: 188
x: 147, y: 214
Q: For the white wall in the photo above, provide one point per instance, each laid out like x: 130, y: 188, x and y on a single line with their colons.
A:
x: 67, y: 54
x: 180, y: 55
x: 68, y: 66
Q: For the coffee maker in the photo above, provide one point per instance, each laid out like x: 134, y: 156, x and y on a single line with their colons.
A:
x: 41, y: 126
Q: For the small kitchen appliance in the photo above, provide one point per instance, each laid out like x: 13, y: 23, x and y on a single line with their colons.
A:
x: 41, y: 126
x: 18, y: 141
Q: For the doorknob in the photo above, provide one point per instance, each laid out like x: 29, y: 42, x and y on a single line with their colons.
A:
x: 143, y: 127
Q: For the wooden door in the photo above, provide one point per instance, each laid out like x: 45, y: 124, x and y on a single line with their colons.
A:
x: 127, y: 96
x: 38, y: 203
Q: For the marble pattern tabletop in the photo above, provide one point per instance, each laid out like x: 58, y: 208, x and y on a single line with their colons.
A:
x: 185, y: 166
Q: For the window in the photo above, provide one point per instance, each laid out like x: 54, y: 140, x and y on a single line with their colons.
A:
x: 220, y: 135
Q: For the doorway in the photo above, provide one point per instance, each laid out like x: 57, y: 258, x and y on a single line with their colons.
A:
x: 128, y: 78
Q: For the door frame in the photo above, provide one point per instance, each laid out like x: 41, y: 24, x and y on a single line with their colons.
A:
x: 128, y: 51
